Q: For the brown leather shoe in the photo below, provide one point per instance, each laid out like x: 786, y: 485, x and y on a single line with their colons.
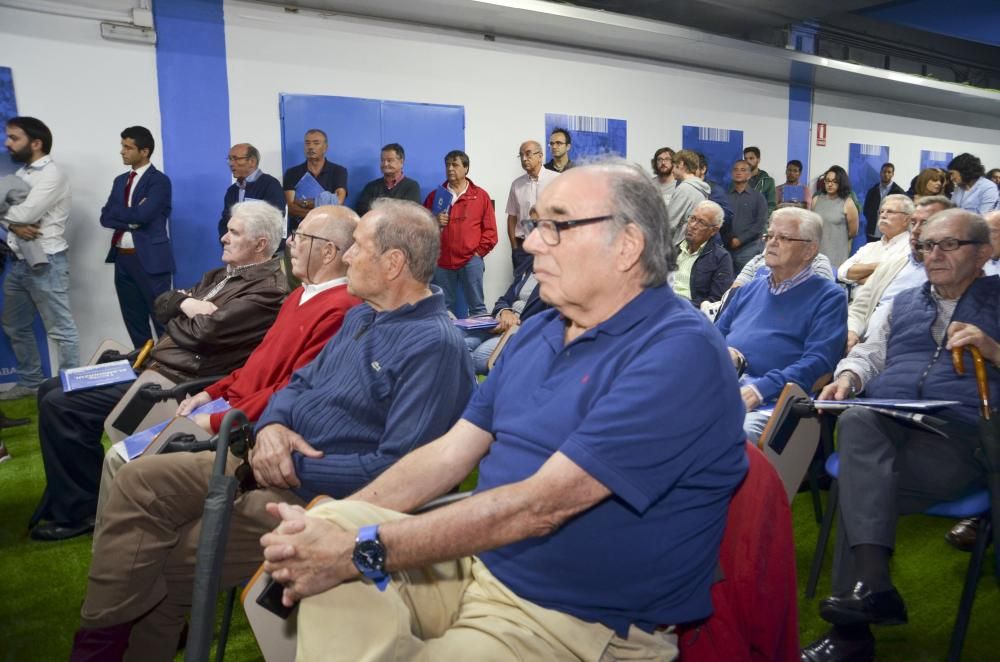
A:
x: 963, y: 535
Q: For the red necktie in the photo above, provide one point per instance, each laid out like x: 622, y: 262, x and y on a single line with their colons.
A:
x: 117, y: 236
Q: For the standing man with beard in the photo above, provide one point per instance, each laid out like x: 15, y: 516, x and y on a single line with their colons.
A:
x: 43, y: 285
x: 760, y: 181
x: 663, y: 172
x: 560, y: 143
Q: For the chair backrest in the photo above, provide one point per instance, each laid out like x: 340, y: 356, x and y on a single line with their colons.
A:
x: 130, y: 414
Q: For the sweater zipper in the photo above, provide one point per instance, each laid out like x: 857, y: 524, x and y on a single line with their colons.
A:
x: 937, y: 352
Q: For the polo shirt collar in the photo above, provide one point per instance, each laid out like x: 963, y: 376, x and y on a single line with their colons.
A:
x: 40, y: 163
x: 632, y: 313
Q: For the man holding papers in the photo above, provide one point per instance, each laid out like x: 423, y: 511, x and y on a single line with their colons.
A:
x: 887, y: 468
x: 305, y: 182
x: 210, y: 329
x: 396, y: 377
x: 468, y: 232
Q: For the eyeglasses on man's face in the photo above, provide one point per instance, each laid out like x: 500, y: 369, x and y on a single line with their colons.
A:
x: 299, y: 235
x: 947, y: 244
x: 549, y: 229
x: 556, y: 143
x: 699, y: 223
x: 783, y: 238
x: 528, y: 155
x: 234, y: 159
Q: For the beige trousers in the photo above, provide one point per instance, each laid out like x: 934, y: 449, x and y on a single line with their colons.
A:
x: 450, y: 611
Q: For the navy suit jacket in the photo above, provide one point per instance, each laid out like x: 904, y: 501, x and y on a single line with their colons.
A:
x: 534, y: 303
x: 146, y: 219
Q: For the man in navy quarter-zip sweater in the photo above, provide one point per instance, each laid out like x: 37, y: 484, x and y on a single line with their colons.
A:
x: 396, y: 376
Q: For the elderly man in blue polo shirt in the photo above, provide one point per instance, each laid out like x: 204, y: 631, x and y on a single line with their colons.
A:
x: 604, y: 471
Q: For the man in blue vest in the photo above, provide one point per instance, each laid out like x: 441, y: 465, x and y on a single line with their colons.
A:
x: 887, y: 468
x: 137, y: 210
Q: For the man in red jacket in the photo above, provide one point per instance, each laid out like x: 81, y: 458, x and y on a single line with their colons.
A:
x: 310, y: 316
x: 468, y: 233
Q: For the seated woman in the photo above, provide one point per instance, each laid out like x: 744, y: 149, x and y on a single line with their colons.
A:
x: 518, y: 303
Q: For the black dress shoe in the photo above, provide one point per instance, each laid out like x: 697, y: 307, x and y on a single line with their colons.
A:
x: 862, y: 605
x: 963, y: 535
x: 13, y: 422
x: 49, y: 531
x: 833, y: 648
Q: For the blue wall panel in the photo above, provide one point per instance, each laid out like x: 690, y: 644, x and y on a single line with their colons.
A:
x: 194, y: 117
x: 592, y: 136
x: 864, y: 164
x: 932, y: 159
x: 357, y: 129
x: 722, y: 148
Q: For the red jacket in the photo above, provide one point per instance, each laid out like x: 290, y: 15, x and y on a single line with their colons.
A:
x: 471, y: 229
x: 297, y: 336
x: 755, y: 615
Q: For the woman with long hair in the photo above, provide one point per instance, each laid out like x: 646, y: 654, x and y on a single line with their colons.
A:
x: 839, y: 213
x: 973, y: 192
x: 930, y: 181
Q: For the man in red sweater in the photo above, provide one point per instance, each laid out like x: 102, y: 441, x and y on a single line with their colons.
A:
x: 310, y: 316
x: 468, y: 233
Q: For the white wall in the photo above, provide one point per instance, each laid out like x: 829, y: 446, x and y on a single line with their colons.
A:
x: 506, y: 89
x: 906, y: 131
x: 86, y: 90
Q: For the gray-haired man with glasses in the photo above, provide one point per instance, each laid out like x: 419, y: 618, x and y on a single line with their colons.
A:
x: 250, y: 184
x: 887, y: 468
x: 704, y: 267
x: 523, y: 194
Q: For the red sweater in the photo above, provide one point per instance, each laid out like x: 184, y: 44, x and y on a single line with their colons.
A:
x: 471, y: 229
x: 299, y: 332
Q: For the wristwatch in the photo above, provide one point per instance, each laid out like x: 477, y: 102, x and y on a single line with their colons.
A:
x: 369, y: 556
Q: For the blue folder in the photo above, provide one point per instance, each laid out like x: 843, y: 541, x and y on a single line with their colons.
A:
x: 442, y: 200
x: 308, y: 188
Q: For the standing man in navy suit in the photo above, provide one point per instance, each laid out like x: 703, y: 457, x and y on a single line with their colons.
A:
x: 137, y: 211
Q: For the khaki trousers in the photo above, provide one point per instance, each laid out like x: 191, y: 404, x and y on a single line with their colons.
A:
x: 450, y: 611
x: 145, y: 545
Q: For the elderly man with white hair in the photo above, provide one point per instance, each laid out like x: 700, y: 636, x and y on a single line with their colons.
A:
x: 893, y: 242
x: 210, y: 329
x: 788, y: 327
x: 704, y: 267
x: 604, y: 479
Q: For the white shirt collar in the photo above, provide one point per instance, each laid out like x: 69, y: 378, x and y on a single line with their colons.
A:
x: 139, y: 172
x: 309, y: 290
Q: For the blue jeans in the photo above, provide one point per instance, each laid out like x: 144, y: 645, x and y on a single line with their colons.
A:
x: 480, y: 344
x: 45, y: 290
x: 470, y: 278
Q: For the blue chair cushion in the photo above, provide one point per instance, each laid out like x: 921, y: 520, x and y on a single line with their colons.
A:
x: 970, y: 505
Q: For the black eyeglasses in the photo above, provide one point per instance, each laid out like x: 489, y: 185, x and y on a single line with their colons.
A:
x: 298, y: 235
x: 946, y: 244
x: 231, y: 159
x: 549, y: 229
x: 782, y: 238
x: 705, y: 225
x: 556, y: 143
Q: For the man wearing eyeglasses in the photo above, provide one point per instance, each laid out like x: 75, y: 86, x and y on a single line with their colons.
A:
x: 560, y: 143
x: 307, y: 320
x: 209, y: 329
x: 524, y: 192
x: 788, y: 327
x: 250, y: 184
x: 893, y: 242
x: 395, y: 376
x: 603, y: 479
x: 868, y: 308
x: 704, y: 267
x: 886, y: 467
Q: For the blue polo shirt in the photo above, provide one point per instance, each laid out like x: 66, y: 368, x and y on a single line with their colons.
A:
x: 648, y: 404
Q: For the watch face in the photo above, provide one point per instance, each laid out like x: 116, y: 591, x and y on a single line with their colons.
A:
x: 369, y: 555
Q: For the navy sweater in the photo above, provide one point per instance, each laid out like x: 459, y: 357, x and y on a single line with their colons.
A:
x: 796, y: 337
x: 385, y: 384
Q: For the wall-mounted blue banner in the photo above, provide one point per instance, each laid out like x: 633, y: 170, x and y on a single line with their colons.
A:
x: 8, y: 364
x: 863, y: 166
x: 358, y: 128
x: 8, y: 109
x: 592, y: 136
x: 722, y: 148
x: 930, y: 159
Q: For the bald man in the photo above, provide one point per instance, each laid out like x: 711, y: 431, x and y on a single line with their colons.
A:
x: 524, y: 192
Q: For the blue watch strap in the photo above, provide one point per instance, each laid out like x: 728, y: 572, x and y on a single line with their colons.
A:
x: 377, y: 574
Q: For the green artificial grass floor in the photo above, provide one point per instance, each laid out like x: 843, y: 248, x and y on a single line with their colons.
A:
x: 46, y: 581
